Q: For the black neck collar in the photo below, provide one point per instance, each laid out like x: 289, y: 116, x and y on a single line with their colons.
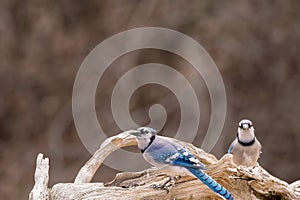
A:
x: 151, y: 140
x: 245, y: 143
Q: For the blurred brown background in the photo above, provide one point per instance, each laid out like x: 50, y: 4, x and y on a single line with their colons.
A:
x: 255, y: 45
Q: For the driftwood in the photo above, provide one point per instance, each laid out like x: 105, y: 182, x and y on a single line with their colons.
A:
x: 243, y: 183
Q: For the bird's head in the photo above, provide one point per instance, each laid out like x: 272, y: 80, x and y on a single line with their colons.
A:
x: 145, y: 136
x: 144, y: 132
x: 246, y: 131
x: 245, y: 124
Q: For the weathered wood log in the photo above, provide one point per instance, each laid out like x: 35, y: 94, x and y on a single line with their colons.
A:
x: 242, y: 182
x: 41, y: 178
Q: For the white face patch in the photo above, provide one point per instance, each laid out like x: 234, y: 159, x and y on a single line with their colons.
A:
x: 143, y: 142
x: 246, y: 135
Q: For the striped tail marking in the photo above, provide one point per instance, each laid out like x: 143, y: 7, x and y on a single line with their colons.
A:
x: 211, y: 183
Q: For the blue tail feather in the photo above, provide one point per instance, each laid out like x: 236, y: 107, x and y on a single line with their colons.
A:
x: 211, y: 183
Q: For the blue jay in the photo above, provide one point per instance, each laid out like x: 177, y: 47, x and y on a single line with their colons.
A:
x: 245, y: 149
x: 172, y: 158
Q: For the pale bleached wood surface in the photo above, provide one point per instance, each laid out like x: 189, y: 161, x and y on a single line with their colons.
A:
x: 243, y: 183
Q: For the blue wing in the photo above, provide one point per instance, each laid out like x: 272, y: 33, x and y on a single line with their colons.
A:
x: 186, y: 159
x: 166, y: 151
x: 230, y: 148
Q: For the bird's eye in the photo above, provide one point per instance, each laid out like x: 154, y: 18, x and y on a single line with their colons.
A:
x: 245, y: 125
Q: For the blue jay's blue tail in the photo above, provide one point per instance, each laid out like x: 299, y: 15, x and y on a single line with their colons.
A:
x: 211, y: 183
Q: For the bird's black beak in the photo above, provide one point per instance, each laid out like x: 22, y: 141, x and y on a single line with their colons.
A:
x: 135, y: 132
x: 245, y: 126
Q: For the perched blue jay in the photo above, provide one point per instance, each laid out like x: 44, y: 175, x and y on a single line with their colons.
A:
x: 172, y: 158
x: 245, y: 149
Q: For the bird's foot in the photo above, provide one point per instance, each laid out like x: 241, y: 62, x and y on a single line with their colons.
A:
x: 131, y: 185
x: 167, y: 185
x: 161, y: 187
